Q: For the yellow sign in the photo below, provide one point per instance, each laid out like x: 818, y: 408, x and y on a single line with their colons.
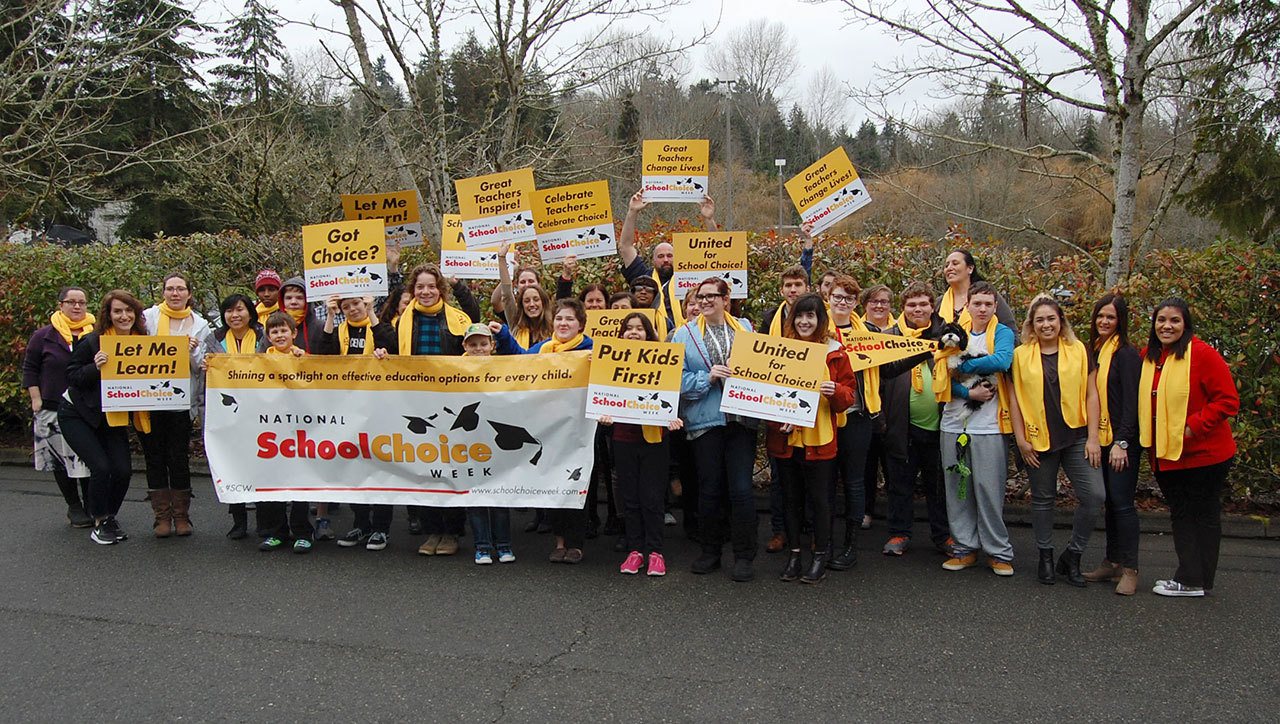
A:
x: 574, y: 219
x: 397, y: 209
x: 608, y: 322
x: 347, y: 258
x: 827, y: 191
x: 636, y: 382
x: 871, y: 349
x: 146, y: 373
x: 496, y: 208
x: 458, y: 261
x: 711, y: 254
x: 774, y: 378
x: 675, y: 170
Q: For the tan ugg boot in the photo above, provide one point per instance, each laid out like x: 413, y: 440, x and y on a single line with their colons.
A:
x: 181, y: 512
x: 1106, y: 571
x: 162, y: 506
x: 1128, y: 584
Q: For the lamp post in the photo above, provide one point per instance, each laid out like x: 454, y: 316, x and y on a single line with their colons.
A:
x: 727, y: 87
x: 780, y: 163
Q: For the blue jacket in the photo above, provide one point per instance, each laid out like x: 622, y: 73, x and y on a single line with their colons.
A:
x: 508, y: 344
x: 1000, y: 360
x: 699, y: 398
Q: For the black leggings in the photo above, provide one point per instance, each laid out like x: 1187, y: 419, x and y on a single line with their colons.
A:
x: 167, y: 450
x: 105, y: 450
x: 1194, y: 496
x: 812, y: 480
x: 642, y: 486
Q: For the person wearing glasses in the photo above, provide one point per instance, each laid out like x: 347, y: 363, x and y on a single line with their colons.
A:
x: 724, y: 446
x: 662, y: 270
x: 44, y: 375
x: 877, y: 304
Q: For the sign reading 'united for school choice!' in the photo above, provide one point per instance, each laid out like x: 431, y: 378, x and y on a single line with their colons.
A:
x: 774, y: 379
x: 827, y: 191
x: 705, y: 254
x: 397, y: 209
x: 608, y: 322
x: 347, y: 258
x: 496, y: 208
x: 146, y: 373
x: 574, y: 219
x: 458, y: 261
x: 636, y: 382
x: 675, y: 170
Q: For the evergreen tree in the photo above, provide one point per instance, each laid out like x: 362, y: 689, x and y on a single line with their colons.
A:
x: 1087, y: 138
x: 866, y: 148
x: 252, y: 42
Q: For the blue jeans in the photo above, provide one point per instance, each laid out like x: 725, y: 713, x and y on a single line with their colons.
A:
x: 1121, y: 513
x: 490, y: 527
x: 725, y: 457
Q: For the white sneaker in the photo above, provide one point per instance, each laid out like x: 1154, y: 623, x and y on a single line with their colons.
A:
x: 1173, y: 588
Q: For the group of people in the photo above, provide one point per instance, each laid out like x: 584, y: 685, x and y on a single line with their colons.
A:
x: 939, y: 423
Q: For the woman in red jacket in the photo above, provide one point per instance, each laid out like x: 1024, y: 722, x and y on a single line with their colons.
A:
x: 1185, y: 395
x: 806, y: 456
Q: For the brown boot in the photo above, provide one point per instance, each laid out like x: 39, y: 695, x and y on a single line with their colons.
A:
x: 181, y: 512
x: 1106, y: 571
x: 1128, y: 584
x: 162, y: 506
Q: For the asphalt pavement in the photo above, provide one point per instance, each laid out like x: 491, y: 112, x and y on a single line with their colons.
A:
x: 209, y: 629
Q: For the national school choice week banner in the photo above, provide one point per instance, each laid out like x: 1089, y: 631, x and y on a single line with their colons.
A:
x: 827, y: 191
x: 146, y: 373
x: 674, y: 170
x: 438, y: 431
x: 397, y: 209
x: 347, y: 258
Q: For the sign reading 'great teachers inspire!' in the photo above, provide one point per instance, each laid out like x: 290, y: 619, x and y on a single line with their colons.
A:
x: 146, y: 373
x: 705, y: 254
x: 827, y: 191
x: 675, y: 170
x: 636, y: 382
x: 575, y: 220
x: 496, y: 208
x: 397, y: 209
x: 347, y: 258
x: 774, y: 379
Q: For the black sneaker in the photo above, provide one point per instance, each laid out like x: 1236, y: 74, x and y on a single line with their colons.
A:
x: 270, y: 543
x: 77, y: 517
x: 114, y: 525
x: 706, y: 563
x: 352, y: 538
x: 743, y: 571
x: 103, y: 535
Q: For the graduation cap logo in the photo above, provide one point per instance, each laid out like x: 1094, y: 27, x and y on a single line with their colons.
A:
x: 575, y: 475
x: 229, y: 401
x: 514, y: 437
x: 467, y: 419
x: 519, y: 217
x: 792, y: 395
x: 693, y: 183
x: 419, y: 425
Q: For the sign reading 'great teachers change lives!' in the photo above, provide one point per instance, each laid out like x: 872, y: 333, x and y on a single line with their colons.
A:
x: 458, y: 261
x: 827, y: 191
x: 574, y: 219
x: 774, y: 379
x: 635, y: 382
x: 705, y: 254
x: 347, y: 258
x: 496, y: 208
x: 608, y: 322
x: 397, y: 209
x: 146, y: 373
x: 675, y: 170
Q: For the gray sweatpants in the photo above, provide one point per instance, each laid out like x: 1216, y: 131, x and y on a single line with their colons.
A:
x: 977, y: 522
x: 1085, y: 480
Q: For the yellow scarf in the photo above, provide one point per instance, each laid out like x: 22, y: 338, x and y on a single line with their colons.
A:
x: 947, y: 310
x: 166, y: 314
x: 823, y: 431
x: 141, y: 418
x: 344, y: 336
x: 68, y: 329
x: 555, y: 345
x: 524, y: 336
x: 250, y: 339
x: 677, y: 304
x: 942, y: 380
x: 298, y: 315
x: 264, y: 312
x: 917, y: 372
x: 729, y: 319
x: 455, y: 319
x: 870, y: 376
x: 652, y: 434
x: 1105, y: 434
x: 1028, y: 382
x: 775, y: 324
x: 1170, y: 401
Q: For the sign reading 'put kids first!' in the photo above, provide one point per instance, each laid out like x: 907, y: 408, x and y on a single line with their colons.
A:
x: 347, y: 258
x: 146, y: 373
x: 635, y: 382
x: 827, y: 191
x: 774, y: 379
x: 675, y: 170
x: 496, y: 208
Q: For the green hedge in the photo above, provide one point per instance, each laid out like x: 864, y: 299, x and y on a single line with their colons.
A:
x: 1231, y: 287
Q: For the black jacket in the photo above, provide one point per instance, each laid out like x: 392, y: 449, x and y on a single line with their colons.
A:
x: 84, y: 381
x: 895, y: 394
x: 384, y: 336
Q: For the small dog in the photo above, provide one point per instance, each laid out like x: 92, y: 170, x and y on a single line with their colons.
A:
x: 952, y: 338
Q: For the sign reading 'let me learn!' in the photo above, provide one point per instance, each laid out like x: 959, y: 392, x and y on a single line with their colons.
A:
x: 146, y: 373
x: 347, y: 258
x: 496, y: 208
x: 397, y: 209
x: 675, y: 170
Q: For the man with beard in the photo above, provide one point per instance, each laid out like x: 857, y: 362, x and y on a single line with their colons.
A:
x: 635, y: 266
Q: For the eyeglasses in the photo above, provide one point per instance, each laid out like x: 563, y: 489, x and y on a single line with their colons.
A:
x: 74, y: 303
x: 175, y: 289
x: 642, y: 288
x: 878, y: 302
x: 708, y: 297
x: 840, y: 299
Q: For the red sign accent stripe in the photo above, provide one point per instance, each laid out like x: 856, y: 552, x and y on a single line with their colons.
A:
x: 363, y: 487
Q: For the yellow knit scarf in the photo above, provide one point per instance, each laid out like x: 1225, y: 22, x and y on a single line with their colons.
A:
x: 250, y: 340
x: 1105, y: 353
x: 265, y: 311
x: 823, y: 431
x: 344, y: 336
x: 298, y: 315
x: 1170, y: 405
x: 677, y: 304
x: 1028, y: 382
x: 455, y: 319
x: 947, y: 310
x: 141, y: 418
x: 555, y: 345
x: 917, y: 372
x: 729, y: 319
x: 167, y: 313
x: 70, y: 330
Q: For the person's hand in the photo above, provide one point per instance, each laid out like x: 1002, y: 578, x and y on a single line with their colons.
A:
x: 827, y: 388
x: 100, y: 359
x: 1187, y: 432
x: 1029, y: 455
x: 503, y: 248
x: 393, y: 255
x: 707, y: 207
x: 569, y: 267
x: 380, y: 353
x: 495, y: 327
x: 37, y: 404
x: 786, y: 428
x: 720, y: 372
x: 676, y: 424
x: 605, y: 420
x: 806, y: 229
x: 297, y: 351
x: 204, y: 364
x: 1093, y: 453
x: 981, y: 393
x: 331, y: 303
x: 1119, y: 459
x: 637, y: 202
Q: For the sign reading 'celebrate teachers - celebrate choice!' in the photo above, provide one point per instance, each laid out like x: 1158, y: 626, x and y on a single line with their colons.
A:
x: 347, y: 258
x: 574, y: 220
x: 705, y: 254
x: 827, y: 191
x: 146, y: 373
x: 635, y: 382
x: 496, y: 208
x: 675, y: 170
x: 774, y: 378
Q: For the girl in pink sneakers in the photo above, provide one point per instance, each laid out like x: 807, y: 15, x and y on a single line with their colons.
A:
x: 641, y: 459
